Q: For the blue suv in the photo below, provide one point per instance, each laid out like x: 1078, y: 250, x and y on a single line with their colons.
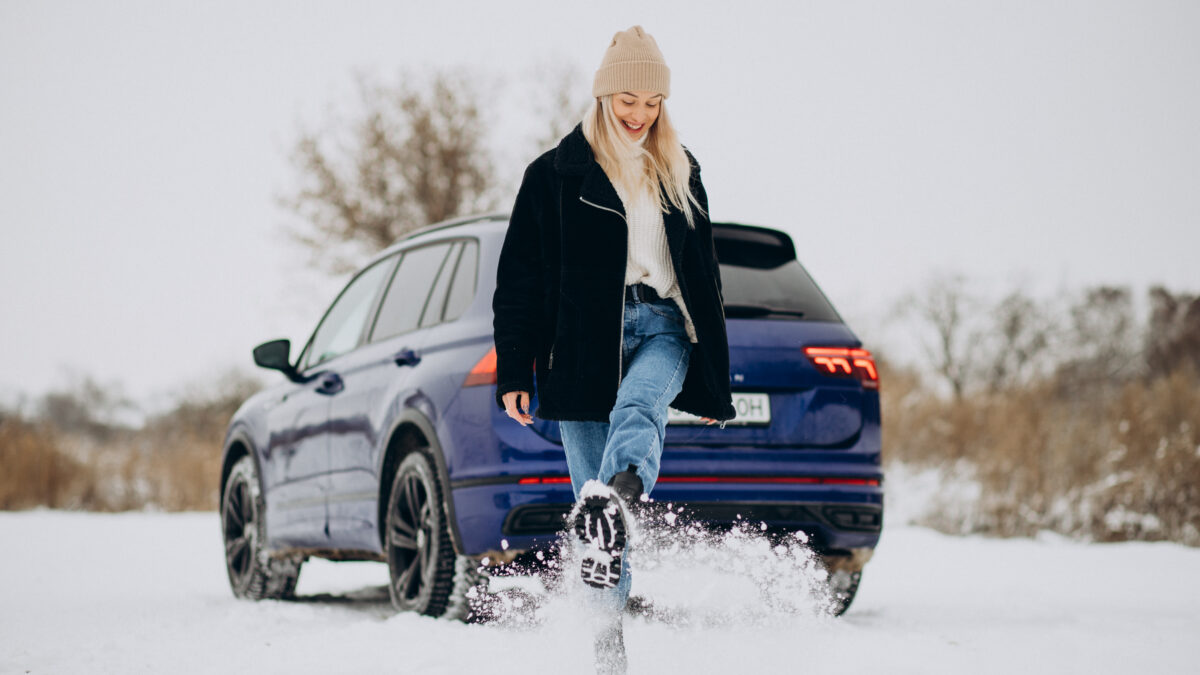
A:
x: 385, y: 443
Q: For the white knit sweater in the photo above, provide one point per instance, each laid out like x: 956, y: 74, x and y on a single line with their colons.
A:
x: 649, y: 260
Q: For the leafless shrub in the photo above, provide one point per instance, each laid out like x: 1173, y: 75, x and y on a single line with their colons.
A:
x: 1173, y: 332
x: 943, y: 311
x: 1101, y: 346
x: 1096, y: 445
x: 1016, y: 349
x: 415, y: 155
x: 976, y: 345
x: 85, y: 406
x: 171, y: 462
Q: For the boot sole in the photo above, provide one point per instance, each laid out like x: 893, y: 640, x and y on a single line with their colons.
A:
x: 600, y: 525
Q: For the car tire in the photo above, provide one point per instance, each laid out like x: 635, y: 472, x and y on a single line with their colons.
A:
x: 252, y: 572
x: 844, y: 586
x: 426, y: 575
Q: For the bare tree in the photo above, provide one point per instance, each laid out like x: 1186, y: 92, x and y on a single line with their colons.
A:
x: 416, y: 154
x: 1018, y: 343
x: 946, y: 308
x: 1173, y: 332
x: 87, y: 407
x: 1101, y: 339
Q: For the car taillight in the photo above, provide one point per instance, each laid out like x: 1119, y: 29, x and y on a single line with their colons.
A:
x: 842, y: 362
x: 484, y: 371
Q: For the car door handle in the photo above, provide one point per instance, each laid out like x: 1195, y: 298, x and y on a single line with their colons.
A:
x: 406, y: 357
x: 331, y: 383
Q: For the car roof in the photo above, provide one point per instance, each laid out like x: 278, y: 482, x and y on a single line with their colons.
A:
x: 496, y: 222
x: 477, y: 224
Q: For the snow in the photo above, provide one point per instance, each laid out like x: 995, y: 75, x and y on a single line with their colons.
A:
x: 147, y: 593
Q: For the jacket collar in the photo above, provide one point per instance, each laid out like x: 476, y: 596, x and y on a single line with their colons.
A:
x: 574, y: 157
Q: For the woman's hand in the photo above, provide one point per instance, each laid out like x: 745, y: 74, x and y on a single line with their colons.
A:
x: 511, y: 403
x: 708, y: 420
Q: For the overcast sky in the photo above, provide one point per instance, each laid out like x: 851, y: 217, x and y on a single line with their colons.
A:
x: 143, y: 144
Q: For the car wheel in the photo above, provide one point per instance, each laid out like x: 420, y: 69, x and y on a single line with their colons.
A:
x: 844, y: 585
x: 421, y: 559
x: 252, y: 572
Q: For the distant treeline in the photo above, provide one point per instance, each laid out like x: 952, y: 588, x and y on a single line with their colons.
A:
x: 68, y: 450
x: 1079, y: 416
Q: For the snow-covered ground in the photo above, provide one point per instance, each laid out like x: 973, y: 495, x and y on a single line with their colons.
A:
x: 147, y: 593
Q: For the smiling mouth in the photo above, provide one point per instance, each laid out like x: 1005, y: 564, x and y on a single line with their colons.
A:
x: 632, y: 128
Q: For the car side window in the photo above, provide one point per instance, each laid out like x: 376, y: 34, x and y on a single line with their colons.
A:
x: 342, y: 328
x: 409, y: 291
x: 462, y: 289
x: 437, y: 299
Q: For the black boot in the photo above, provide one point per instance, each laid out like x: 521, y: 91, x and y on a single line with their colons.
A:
x: 628, y: 487
x: 598, y: 519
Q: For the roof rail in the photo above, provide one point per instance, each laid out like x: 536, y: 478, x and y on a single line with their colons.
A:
x: 456, y: 222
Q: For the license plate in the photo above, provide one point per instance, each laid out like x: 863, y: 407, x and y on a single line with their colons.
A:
x: 751, y: 409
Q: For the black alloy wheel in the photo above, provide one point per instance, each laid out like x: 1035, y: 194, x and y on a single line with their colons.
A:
x: 420, y: 555
x: 240, y: 518
x: 252, y: 573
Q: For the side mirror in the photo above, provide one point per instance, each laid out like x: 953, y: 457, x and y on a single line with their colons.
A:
x: 275, y: 355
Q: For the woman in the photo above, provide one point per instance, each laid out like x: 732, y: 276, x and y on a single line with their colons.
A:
x: 614, y: 217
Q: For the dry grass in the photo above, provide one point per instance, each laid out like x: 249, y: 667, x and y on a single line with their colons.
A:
x: 1107, y: 463
x: 172, y: 463
x: 36, y: 472
x: 43, y: 467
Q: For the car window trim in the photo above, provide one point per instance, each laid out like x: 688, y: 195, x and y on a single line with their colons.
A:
x: 454, y: 273
x: 301, y: 364
x: 371, y: 339
x: 474, y: 277
x: 433, y: 284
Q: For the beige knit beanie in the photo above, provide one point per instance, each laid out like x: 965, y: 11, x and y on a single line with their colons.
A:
x: 632, y: 63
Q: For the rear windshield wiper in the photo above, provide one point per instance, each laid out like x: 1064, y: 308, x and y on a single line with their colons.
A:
x: 751, y: 311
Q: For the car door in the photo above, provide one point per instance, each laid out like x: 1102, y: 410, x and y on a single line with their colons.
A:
x: 297, y: 456
x: 296, y: 461
x: 377, y: 378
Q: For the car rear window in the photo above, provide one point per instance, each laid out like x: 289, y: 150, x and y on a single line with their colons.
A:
x: 761, y: 277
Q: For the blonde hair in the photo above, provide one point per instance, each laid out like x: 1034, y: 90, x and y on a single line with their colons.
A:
x: 662, y: 160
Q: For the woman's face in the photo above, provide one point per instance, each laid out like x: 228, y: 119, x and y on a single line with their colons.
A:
x: 636, y: 111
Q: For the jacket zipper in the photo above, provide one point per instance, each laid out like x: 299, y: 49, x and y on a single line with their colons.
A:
x: 621, y: 341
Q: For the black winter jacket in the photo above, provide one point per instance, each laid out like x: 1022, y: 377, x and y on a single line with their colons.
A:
x: 560, y: 292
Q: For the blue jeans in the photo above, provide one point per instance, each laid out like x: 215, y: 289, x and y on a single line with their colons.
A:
x: 655, y: 353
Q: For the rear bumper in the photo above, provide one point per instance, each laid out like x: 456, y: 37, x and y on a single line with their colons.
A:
x: 495, y: 513
x: 513, y: 517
